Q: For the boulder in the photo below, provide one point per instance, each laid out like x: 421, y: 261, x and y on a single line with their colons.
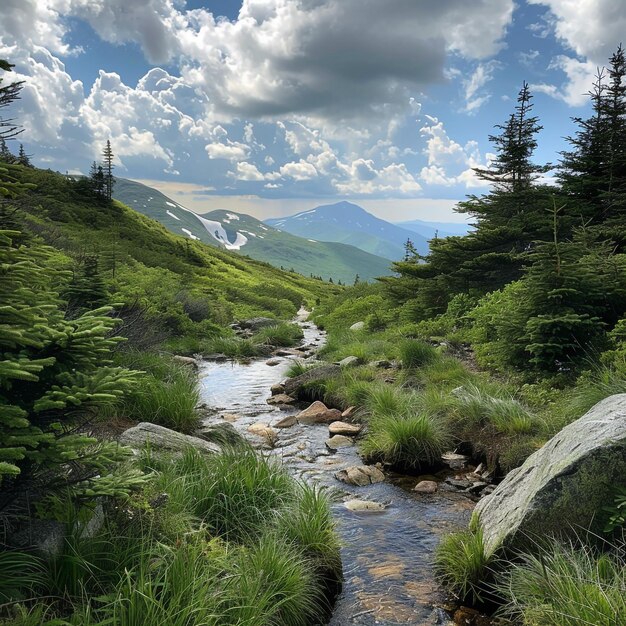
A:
x: 343, y: 428
x: 357, y: 326
x: 293, y: 385
x: 185, y: 360
x: 281, y: 398
x: 349, y: 361
x: 318, y: 413
x: 286, y: 422
x: 164, y: 439
x: 339, y: 441
x: 561, y: 488
x: 348, y: 413
x: 273, y: 362
x: 364, y: 506
x: 221, y: 434
x: 426, y: 486
x: 262, y: 429
x: 360, y: 475
x: 256, y: 323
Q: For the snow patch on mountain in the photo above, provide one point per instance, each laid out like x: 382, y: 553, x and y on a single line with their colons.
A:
x: 172, y: 215
x: 188, y: 232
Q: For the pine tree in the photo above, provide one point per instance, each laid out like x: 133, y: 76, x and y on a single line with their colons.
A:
x: 6, y: 156
x: 86, y: 290
x: 23, y: 158
x: 109, y: 181
x: 53, y: 371
x: 8, y: 94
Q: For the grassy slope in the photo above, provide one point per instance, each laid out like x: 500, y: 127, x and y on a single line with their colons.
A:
x: 144, y: 248
x: 326, y: 259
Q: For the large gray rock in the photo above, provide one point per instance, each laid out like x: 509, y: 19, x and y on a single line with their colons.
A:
x: 349, y: 361
x: 561, y: 488
x: 161, y: 438
x: 357, y: 326
x: 293, y: 385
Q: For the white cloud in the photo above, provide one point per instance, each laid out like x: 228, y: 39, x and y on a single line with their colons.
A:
x: 248, y: 171
x: 580, y: 77
x: 449, y: 163
x: 591, y: 28
x: 232, y: 151
x: 298, y: 171
x: 473, y: 86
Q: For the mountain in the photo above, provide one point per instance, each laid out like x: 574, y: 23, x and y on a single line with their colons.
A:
x: 348, y: 223
x: 249, y: 236
x: 436, y: 229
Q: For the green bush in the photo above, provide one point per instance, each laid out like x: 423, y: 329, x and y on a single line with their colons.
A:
x: 169, y: 399
x: 567, y: 585
x: 462, y: 565
x: 415, y: 354
x: 408, y: 442
x: 283, y: 335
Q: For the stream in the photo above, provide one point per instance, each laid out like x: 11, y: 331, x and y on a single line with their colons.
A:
x: 386, y: 555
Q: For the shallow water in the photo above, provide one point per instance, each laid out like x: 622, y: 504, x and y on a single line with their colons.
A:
x: 387, y: 555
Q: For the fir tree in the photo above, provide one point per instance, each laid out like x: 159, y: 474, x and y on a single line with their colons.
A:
x: 86, y: 290
x: 23, y: 158
x: 53, y: 371
x: 6, y: 156
x: 109, y: 181
x: 8, y: 94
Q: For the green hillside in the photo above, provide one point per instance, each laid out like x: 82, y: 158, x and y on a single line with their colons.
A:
x: 249, y: 236
x: 141, y: 261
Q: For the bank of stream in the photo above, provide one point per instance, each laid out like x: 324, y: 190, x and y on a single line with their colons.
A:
x: 387, y: 555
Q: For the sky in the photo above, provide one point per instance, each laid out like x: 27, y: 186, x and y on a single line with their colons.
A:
x: 271, y: 107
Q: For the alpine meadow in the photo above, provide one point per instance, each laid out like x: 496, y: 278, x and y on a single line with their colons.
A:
x: 312, y: 313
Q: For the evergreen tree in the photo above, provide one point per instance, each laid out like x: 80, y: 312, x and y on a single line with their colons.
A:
x: 86, y: 290
x: 6, y: 156
x: 8, y: 94
x: 109, y: 181
x: 23, y: 158
x: 593, y: 172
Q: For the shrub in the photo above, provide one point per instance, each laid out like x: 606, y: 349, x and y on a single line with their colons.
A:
x: 567, y: 585
x: 233, y: 493
x: 298, y: 367
x: 408, y: 442
x: 283, y: 335
x: 462, y: 565
x: 415, y: 354
x: 169, y: 401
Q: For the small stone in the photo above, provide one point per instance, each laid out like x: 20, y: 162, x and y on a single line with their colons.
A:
x: 364, y: 506
x: 426, y: 486
x: 230, y: 417
x: 281, y: 398
x: 343, y: 428
x: 277, y: 389
x: 185, y: 360
x: 360, y: 475
x: 349, y: 412
x: 273, y: 362
x: 480, y: 469
x: 458, y: 484
x: 476, y: 487
x: 286, y: 422
x: 349, y: 361
x: 286, y: 352
x: 318, y: 413
x: 261, y: 429
x: 357, y: 326
x: 454, y: 461
x: 339, y: 441
x: 382, y: 364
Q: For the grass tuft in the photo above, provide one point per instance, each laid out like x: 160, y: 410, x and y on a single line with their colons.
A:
x: 414, y: 354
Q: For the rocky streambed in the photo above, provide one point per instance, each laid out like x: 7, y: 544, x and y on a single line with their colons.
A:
x: 388, y: 531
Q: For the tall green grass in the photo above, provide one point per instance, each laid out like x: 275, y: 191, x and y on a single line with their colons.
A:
x: 169, y: 401
x: 567, y: 585
x: 462, y: 565
x: 283, y: 335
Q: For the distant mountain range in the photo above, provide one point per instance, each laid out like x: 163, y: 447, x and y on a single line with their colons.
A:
x: 436, y: 229
x: 249, y: 236
x: 348, y: 223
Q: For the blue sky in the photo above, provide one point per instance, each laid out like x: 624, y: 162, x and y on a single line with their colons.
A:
x: 273, y: 106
